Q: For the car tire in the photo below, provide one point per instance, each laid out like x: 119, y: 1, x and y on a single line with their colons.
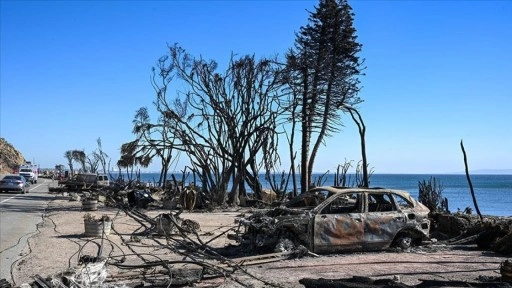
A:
x: 284, y: 245
x: 405, y: 242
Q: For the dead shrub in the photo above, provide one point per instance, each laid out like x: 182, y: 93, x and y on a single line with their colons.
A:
x: 431, y: 195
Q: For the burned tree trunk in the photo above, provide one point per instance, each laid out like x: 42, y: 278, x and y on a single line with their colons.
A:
x: 469, y: 181
x: 362, y: 131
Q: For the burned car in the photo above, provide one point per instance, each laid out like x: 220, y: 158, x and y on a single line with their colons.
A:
x: 333, y: 219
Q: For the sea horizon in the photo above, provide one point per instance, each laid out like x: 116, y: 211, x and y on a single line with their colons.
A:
x: 475, y: 172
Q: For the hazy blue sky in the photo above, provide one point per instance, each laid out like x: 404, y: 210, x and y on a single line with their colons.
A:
x: 438, y: 72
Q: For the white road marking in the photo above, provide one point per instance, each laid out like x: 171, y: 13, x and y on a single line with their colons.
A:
x: 36, y: 186
x: 9, y: 199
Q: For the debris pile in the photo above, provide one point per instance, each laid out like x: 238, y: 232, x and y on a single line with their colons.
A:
x: 496, y: 236
x: 493, y: 233
x: 166, y: 250
x: 358, y: 282
x: 446, y: 226
x: 88, y: 274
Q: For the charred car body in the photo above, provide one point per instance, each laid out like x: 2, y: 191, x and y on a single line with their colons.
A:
x: 332, y: 219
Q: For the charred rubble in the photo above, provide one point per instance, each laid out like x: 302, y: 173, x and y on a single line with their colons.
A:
x: 491, y: 233
x: 358, y: 282
x: 197, y: 260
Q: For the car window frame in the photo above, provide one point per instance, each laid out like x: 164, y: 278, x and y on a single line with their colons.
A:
x: 399, y: 207
x: 380, y: 207
x: 357, y: 208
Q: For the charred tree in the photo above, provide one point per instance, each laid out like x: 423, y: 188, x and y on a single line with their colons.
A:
x: 128, y: 161
x: 155, y: 140
x: 69, y: 156
x: 93, y: 162
x: 231, y: 117
x: 101, y: 156
x: 362, y: 132
x: 469, y: 181
x: 325, y: 67
x: 80, y: 157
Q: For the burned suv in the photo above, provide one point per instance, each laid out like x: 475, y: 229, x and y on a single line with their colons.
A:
x: 334, y: 219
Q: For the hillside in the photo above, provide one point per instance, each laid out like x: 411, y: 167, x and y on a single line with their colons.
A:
x: 10, y: 158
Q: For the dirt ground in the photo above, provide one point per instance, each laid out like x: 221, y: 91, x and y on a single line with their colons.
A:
x: 61, y: 241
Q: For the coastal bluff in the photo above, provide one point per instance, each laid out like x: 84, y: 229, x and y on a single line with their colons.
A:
x: 10, y: 157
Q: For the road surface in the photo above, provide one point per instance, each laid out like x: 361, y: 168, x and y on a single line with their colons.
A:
x: 19, y: 216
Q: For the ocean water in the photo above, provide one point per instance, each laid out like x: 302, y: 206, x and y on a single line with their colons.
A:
x: 493, y: 192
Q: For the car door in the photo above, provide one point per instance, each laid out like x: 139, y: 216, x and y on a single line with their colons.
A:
x: 382, y: 221
x: 339, y: 224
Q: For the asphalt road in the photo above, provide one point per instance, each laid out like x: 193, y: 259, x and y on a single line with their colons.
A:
x: 19, y: 216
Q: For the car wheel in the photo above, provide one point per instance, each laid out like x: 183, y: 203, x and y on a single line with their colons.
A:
x: 405, y: 242
x: 284, y: 245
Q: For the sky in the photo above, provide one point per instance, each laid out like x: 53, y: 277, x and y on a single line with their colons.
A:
x: 438, y: 72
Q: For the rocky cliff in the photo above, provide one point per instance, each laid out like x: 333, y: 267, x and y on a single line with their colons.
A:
x: 10, y: 158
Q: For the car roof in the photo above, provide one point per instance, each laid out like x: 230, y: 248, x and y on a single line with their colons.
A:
x: 95, y: 174
x: 10, y: 176
x: 337, y: 189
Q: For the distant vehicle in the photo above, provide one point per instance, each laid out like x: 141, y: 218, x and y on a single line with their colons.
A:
x: 102, y: 180
x: 30, y: 172
x: 15, y: 183
x: 86, y: 181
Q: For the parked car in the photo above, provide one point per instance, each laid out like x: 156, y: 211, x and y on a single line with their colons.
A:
x: 15, y: 183
x: 334, y: 219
